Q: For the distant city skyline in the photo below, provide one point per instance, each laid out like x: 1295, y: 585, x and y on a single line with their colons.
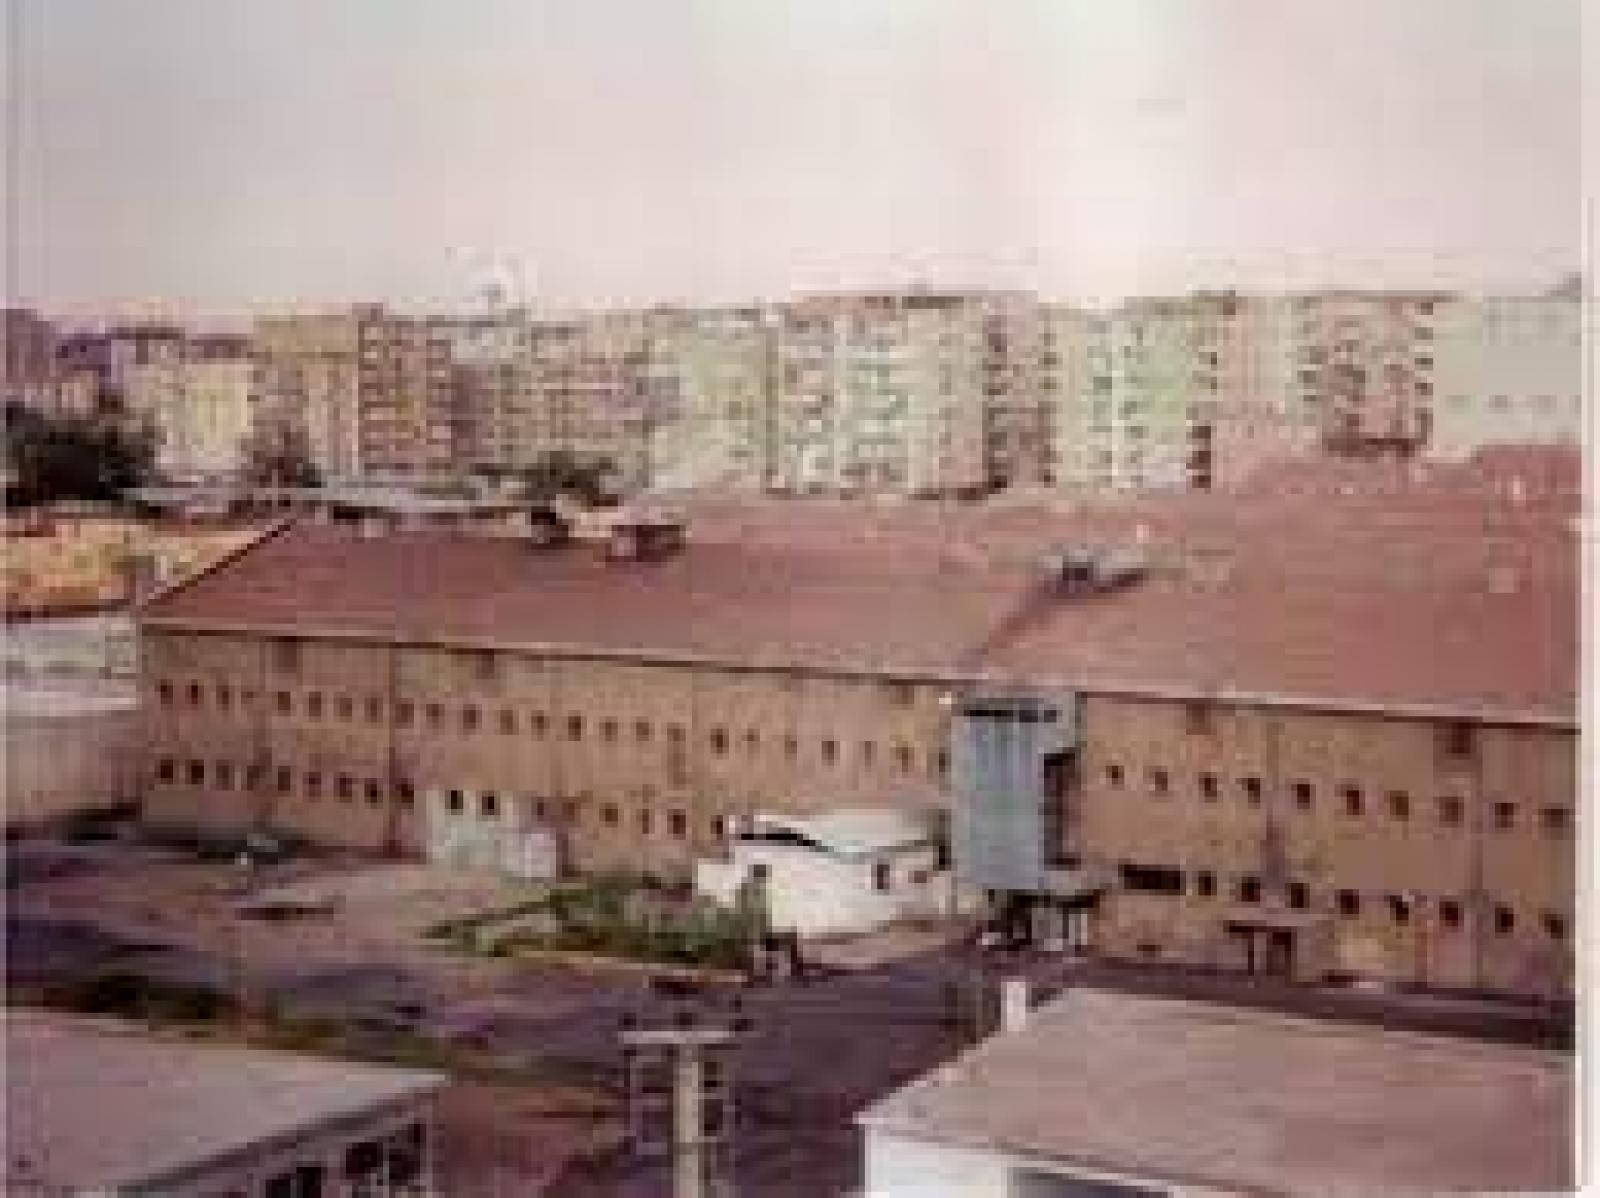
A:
x: 228, y: 156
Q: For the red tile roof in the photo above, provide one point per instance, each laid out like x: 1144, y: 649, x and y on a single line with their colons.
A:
x: 1419, y: 598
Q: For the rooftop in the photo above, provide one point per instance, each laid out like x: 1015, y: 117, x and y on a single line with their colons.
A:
x: 95, y: 1105
x: 1453, y: 594
x: 1195, y: 1093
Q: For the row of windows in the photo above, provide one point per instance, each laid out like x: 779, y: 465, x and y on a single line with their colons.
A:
x: 1400, y: 908
x: 223, y: 775
x: 509, y: 721
x: 1353, y: 800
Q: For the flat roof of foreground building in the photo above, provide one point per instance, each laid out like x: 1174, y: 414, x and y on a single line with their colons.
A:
x: 1447, y: 597
x: 1196, y: 1093
x: 94, y: 1105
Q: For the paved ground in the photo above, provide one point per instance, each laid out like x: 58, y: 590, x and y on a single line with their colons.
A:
x: 814, y: 1055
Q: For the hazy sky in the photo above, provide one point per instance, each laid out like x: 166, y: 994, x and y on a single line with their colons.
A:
x: 231, y: 152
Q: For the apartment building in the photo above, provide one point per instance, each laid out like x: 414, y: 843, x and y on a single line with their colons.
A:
x: 718, y: 363
x: 1330, y: 735
x: 493, y: 391
x: 199, y: 404
x: 1510, y: 371
x: 407, y: 418
x: 881, y: 394
x: 1128, y: 421
x: 30, y: 358
x: 306, y: 377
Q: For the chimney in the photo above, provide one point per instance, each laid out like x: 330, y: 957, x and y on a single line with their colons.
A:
x: 1013, y: 1004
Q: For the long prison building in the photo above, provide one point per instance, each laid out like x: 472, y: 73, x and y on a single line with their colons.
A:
x: 1308, y: 729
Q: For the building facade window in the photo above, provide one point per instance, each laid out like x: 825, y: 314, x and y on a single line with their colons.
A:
x: 1399, y: 804
x: 1451, y: 809
x: 1208, y: 787
x: 1505, y: 816
x: 574, y: 727
x: 1303, y: 793
x: 678, y: 824
x: 1353, y: 802
x: 508, y: 721
x: 1249, y: 890
x: 1449, y: 913
x: 1252, y: 790
x: 1348, y: 903
x: 1505, y: 920
x: 1160, y: 781
x: 488, y: 805
x: 1556, y: 821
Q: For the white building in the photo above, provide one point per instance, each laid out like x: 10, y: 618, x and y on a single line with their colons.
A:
x: 851, y: 869
x: 199, y: 404
x: 1510, y: 371
x: 101, y: 1108
x: 1101, y: 1094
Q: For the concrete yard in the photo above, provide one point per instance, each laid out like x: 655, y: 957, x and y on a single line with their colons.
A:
x: 816, y: 1054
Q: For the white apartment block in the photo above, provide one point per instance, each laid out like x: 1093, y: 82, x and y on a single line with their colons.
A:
x: 1124, y: 421
x: 879, y: 394
x: 1510, y: 371
x: 197, y: 401
x: 718, y: 363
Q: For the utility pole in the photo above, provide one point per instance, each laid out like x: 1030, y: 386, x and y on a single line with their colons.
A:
x: 681, y: 1100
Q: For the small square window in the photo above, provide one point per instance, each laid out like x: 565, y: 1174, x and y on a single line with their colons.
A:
x: 869, y: 752
x: 374, y: 710
x: 488, y: 805
x: 313, y: 784
x: 645, y: 820
x: 194, y: 694
x: 830, y: 751
x: 1114, y: 775
x: 1399, y: 908
x: 404, y: 792
x: 508, y: 721
x: 538, y: 723
x: 1449, y: 913
x: 164, y: 692
x: 167, y: 769
x: 1399, y: 804
x: 719, y: 741
x: 1451, y: 809
x: 574, y: 727
x: 1555, y: 926
x: 1557, y: 821
x: 1249, y: 890
x: 469, y: 719
x: 285, y: 779
x: 1353, y: 801
x: 1348, y: 903
x: 1505, y: 816
x: 403, y: 714
x: 346, y: 707
x: 456, y: 801
x: 1208, y: 786
x: 903, y: 758
x: 608, y: 815
x: 678, y: 824
x: 224, y: 698
x: 1205, y: 883
x: 1252, y: 790
x: 1159, y: 781
x: 435, y: 715
x: 608, y: 731
x: 373, y: 791
x: 1299, y: 896
x: 791, y: 747
x: 197, y: 773
x: 641, y: 731
x: 314, y: 705
x: 345, y: 787
x: 675, y: 733
x: 1302, y: 795
x: 1505, y: 921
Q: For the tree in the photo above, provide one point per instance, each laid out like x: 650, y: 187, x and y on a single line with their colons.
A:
x: 561, y: 472
x: 52, y: 457
x: 279, y: 455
